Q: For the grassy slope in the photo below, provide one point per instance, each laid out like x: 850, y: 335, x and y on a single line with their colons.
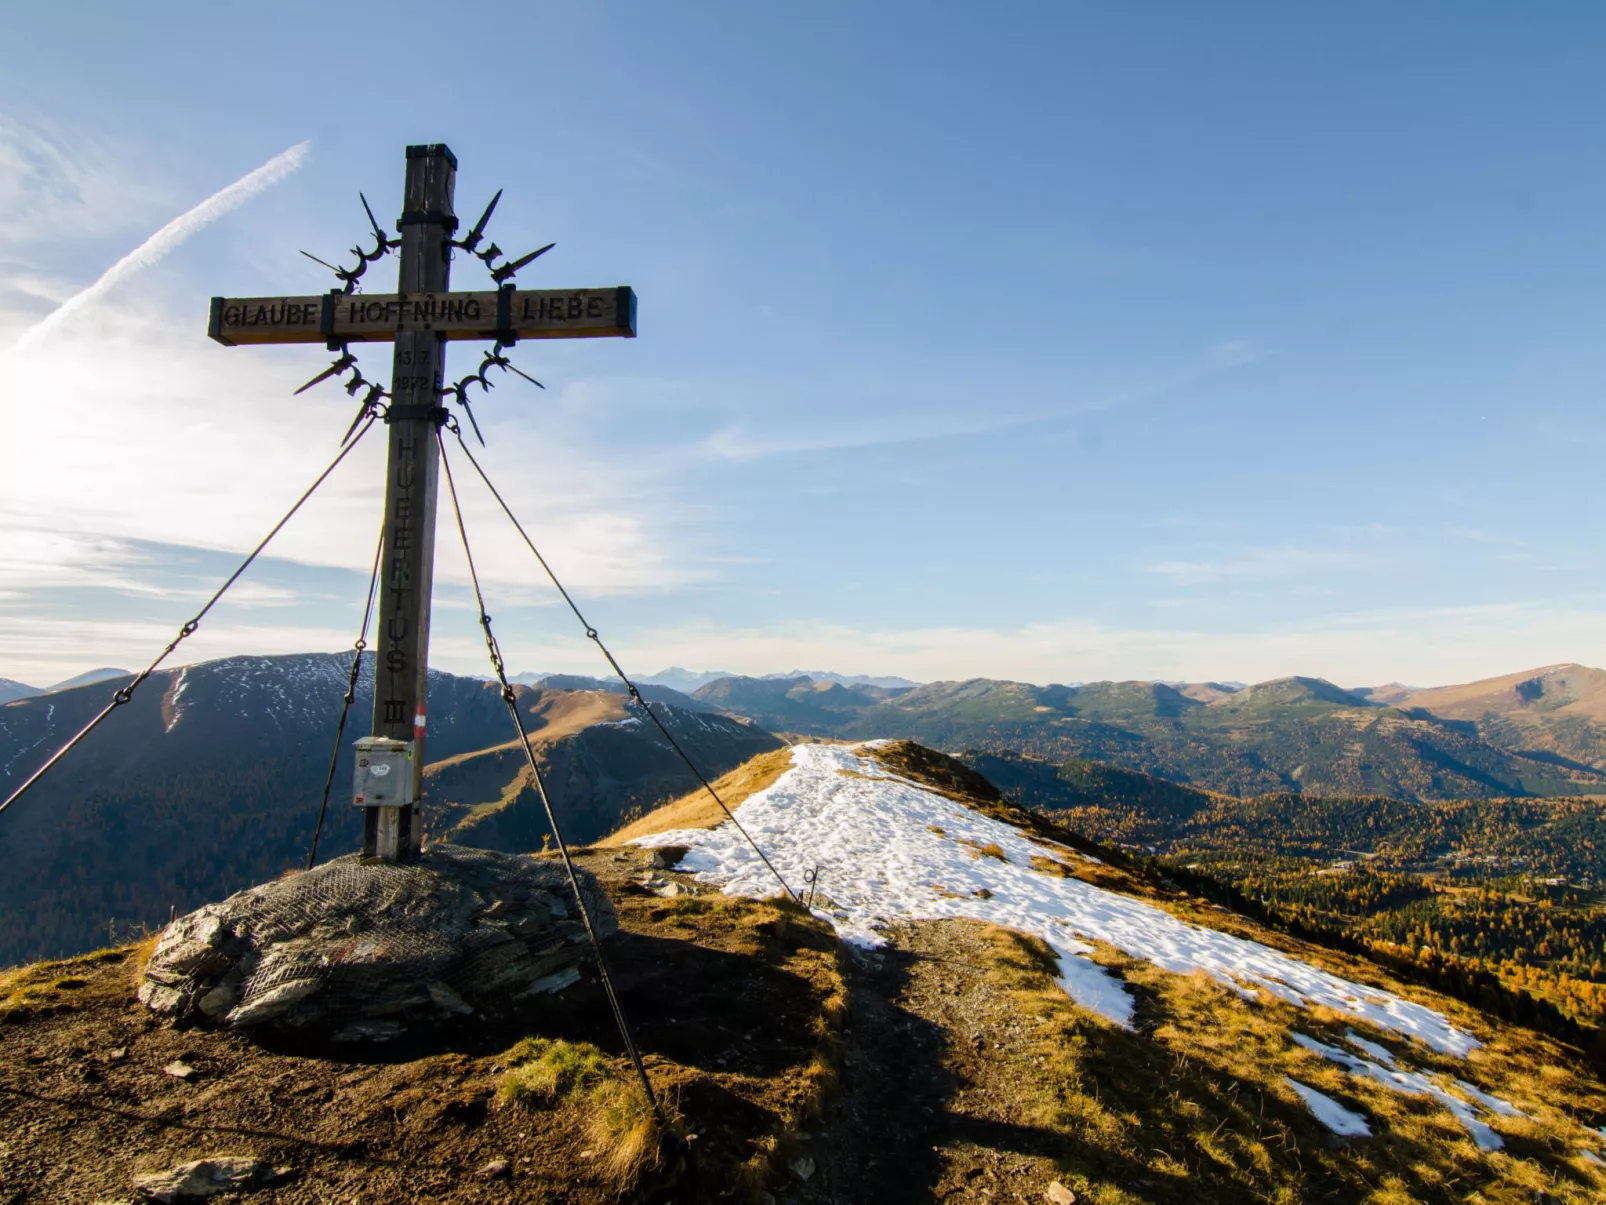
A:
x: 598, y: 772
x: 1194, y: 1105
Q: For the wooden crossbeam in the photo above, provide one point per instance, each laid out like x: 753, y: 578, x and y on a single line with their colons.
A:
x: 509, y: 313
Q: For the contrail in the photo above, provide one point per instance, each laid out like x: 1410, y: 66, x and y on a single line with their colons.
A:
x: 170, y: 236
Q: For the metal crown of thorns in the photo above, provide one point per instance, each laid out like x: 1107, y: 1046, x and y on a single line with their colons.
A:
x: 372, y: 402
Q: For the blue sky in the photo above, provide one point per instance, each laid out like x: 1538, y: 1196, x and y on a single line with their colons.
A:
x: 1054, y: 342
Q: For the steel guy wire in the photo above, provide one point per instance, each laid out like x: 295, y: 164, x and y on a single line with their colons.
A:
x: 124, y: 694
x: 630, y: 686
x: 511, y: 700
x: 351, y: 695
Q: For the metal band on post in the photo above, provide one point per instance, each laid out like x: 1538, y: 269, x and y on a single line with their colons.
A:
x: 326, y: 321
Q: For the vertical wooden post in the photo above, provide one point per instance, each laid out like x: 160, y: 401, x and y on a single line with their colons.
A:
x: 411, y: 472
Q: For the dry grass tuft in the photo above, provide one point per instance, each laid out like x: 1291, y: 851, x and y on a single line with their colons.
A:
x: 47, y: 987
x: 142, y: 951
x: 1052, y: 866
x: 626, y: 1132
x: 548, y: 1070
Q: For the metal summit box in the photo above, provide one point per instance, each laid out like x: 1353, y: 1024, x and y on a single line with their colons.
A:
x: 384, y: 777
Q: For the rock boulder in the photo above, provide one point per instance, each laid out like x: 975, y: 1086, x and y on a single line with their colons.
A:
x: 354, y: 950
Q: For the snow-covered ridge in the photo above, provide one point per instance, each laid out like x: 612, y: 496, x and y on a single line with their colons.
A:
x: 889, y: 850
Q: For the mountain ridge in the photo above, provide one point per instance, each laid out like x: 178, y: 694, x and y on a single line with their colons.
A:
x: 1298, y: 733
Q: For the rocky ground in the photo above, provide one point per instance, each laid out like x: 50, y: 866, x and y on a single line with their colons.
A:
x: 730, y: 1002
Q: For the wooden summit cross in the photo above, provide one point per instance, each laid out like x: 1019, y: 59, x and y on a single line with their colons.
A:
x: 419, y: 318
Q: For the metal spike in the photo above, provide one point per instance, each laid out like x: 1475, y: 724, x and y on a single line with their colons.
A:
x: 378, y: 233
x: 334, y: 370
x: 472, y: 241
x: 507, y: 270
x: 508, y: 364
x: 361, y: 412
x: 324, y: 262
x: 469, y: 410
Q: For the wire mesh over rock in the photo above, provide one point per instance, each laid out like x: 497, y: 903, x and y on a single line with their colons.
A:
x: 356, y: 950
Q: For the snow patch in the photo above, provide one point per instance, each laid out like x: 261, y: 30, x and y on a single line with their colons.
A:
x: 176, y: 702
x: 1329, y: 1112
x: 1380, y: 1053
x: 1414, y: 1083
x: 889, y: 850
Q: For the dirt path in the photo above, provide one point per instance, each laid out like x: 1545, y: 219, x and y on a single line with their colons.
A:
x: 939, y: 1092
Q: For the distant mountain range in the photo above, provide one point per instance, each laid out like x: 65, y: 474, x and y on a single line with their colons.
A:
x: 11, y: 690
x: 651, y: 691
x: 208, y: 781
x: 1539, y: 733
x: 689, y: 681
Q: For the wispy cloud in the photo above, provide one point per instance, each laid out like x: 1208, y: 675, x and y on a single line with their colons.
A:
x: 1437, y: 645
x: 57, y: 184
x: 741, y: 442
x: 170, y: 236
x: 157, y: 443
x: 1256, y: 562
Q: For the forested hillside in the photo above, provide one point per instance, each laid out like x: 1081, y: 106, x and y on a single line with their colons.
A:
x: 1293, y: 734
x: 1505, y: 888
x: 209, y: 781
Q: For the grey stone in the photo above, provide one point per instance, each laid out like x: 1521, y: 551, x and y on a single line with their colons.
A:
x: 368, y: 1031
x: 367, y: 951
x: 496, y: 1169
x: 553, y: 983
x: 158, y: 997
x: 220, y: 999
x: 274, y: 1002
x: 179, y: 1069
x: 448, y: 999
x: 203, y: 1178
x: 1057, y: 1194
